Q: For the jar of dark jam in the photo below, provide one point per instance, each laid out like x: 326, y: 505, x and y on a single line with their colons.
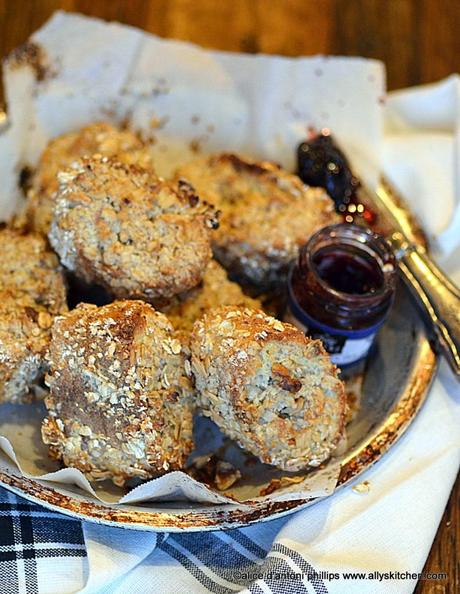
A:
x: 341, y: 289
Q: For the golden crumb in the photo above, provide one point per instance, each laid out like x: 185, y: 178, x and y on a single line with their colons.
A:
x: 266, y: 214
x: 123, y: 228
x: 119, y: 406
x: 289, y: 414
x: 100, y: 138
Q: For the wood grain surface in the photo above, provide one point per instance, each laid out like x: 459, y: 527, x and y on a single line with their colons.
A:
x: 419, y: 41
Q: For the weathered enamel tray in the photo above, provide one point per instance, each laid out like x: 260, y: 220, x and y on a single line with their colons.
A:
x: 210, y: 99
x: 397, y: 377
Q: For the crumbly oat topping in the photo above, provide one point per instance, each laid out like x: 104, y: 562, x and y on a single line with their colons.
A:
x: 120, y: 402
x: 32, y: 293
x: 23, y: 345
x: 129, y: 231
x: 214, y: 290
x: 266, y: 214
x: 267, y: 386
x: 29, y: 265
x: 62, y: 152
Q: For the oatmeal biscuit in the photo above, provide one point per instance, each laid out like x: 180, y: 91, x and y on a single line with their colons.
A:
x: 214, y: 290
x: 29, y: 265
x: 121, y: 227
x: 266, y: 214
x: 268, y: 387
x: 24, y: 338
x: 120, y: 401
x: 32, y: 293
x: 99, y: 138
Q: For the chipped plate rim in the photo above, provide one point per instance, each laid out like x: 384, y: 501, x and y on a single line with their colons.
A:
x: 220, y: 517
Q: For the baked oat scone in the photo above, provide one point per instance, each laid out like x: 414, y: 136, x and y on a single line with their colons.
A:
x: 266, y: 214
x: 268, y: 387
x: 32, y: 292
x: 120, y: 401
x: 123, y: 228
x: 214, y: 290
x: 28, y: 264
x: 24, y: 339
x: 99, y: 138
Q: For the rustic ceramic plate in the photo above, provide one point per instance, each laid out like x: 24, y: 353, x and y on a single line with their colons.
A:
x: 397, y: 377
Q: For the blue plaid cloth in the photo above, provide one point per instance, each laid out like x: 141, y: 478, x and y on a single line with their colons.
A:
x: 36, y: 543
x: 31, y: 539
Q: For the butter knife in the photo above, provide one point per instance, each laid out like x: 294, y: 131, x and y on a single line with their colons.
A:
x: 436, y: 296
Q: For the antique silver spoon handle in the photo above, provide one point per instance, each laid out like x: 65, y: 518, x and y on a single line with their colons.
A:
x: 437, y: 296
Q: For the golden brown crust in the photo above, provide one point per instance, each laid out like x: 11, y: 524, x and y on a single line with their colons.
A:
x: 98, y: 138
x: 121, y: 227
x: 29, y: 265
x: 214, y: 290
x: 24, y: 339
x: 266, y: 214
x: 268, y: 387
x: 32, y: 292
x: 120, y: 402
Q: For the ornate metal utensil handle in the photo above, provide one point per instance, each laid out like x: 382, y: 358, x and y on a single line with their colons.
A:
x: 437, y: 296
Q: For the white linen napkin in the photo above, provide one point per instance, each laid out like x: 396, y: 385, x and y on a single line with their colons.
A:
x: 391, y: 527
x: 421, y: 157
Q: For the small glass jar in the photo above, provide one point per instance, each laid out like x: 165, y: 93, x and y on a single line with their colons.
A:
x: 341, y: 289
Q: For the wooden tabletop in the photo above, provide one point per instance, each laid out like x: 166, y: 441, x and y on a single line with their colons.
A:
x: 419, y: 41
